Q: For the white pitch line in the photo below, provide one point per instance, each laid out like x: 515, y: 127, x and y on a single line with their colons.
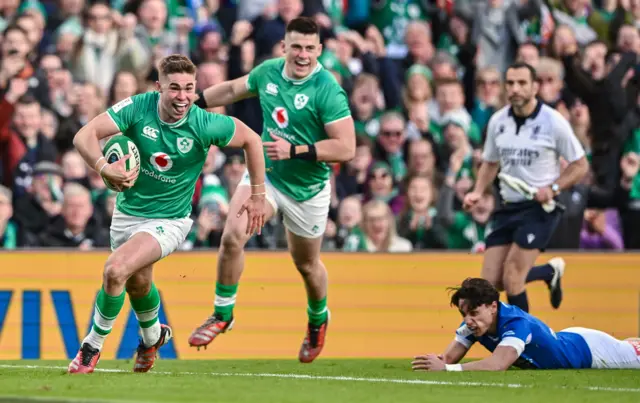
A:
x: 343, y: 378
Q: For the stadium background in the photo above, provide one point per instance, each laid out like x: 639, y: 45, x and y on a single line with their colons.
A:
x: 422, y: 76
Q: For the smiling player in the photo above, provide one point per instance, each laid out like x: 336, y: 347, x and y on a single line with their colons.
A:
x: 518, y: 339
x: 151, y: 218
x: 307, y: 123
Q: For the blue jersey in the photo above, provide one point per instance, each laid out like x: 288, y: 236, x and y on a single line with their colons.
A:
x: 537, y: 345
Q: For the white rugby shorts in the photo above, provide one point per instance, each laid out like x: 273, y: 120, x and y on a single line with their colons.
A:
x: 170, y: 233
x: 607, y: 351
x: 307, y: 219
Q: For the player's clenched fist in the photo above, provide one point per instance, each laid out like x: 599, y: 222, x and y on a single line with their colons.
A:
x: 429, y: 362
x: 256, y: 208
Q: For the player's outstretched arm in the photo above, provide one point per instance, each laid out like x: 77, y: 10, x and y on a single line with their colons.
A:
x: 256, y: 205
x: 502, y: 359
x: 454, y: 352
x: 225, y: 93
x: 431, y: 362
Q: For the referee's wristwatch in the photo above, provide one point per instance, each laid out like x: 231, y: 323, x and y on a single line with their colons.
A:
x: 555, y: 188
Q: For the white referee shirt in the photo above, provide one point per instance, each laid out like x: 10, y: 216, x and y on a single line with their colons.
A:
x: 529, y: 148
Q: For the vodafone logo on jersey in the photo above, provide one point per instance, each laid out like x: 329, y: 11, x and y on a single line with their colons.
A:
x: 161, y: 161
x: 281, y: 117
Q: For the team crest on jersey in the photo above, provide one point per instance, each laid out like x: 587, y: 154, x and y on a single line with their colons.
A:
x: 161, y: 161
x: 300, y: 101
x: 184, y: 144
x: 281, y: 117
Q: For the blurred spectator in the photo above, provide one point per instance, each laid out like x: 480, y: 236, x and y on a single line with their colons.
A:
x: 488, y: 95
x: 391, y: 19
x: 497, y: 31
x: 605, y: 95
x: 381, y: 186
x: 390, y: 143
x: 271, y: 31
x: 9, y: 232
x: 124, y: 85
x: 76, y: 226
x: 464, y: 230
x: 601, y: 230
x: 550, y: 74
x: 528, y: 53
x: 421, y: 159
x: 87, y: 102
x: 367, y: 102
x: 349, y: 222
x: 42, y: 203
x: 96, y: 59
x: 630, y: 181
x: 416, y: 222
x: 213, y: 208
x: 352, y: 179
x: 23, y: 144
x: 450, y: 98
x: 378, y: 231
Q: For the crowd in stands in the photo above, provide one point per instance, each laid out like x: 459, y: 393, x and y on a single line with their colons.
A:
x: 423, y: 78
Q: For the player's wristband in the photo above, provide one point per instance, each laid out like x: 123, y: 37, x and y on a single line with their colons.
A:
x: 201, y: 102
x: 453, y: 367
x: 309, y: 155
x: 95, y: 166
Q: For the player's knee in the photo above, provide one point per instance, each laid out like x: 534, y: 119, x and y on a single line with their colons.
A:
x: 306, y: 267
x: 494, y: 277
x: 233, y: 241
x: 115, y: 271
x: 138, y: 288
x: 512, y: 278
x: 498, y: 284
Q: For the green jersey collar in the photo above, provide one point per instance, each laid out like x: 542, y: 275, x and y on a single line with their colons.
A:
x: 302, y: 80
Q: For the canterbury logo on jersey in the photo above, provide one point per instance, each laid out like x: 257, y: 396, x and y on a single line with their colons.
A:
x: 150, y: 133
x: 272, y: 89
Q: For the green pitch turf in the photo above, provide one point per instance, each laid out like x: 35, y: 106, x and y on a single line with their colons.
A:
x: 326, y: 381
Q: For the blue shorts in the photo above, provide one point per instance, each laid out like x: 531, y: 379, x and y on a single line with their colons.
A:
x: 525, y: 223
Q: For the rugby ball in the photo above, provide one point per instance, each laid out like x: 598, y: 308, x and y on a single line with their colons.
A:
x: 115, y: 149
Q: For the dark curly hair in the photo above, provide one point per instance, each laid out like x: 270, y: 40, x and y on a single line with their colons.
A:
x: 475, y: 292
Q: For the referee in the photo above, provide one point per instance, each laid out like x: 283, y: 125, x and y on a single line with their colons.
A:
x: 525, y: 140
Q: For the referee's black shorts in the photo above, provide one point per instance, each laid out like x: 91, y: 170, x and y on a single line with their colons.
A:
x: 524, y: 223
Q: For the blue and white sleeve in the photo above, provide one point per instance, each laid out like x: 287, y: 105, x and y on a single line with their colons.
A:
x: 465, y: 336
x: 516, y: 334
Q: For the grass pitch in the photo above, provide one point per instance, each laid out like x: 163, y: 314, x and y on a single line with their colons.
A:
x: 283, y: 381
